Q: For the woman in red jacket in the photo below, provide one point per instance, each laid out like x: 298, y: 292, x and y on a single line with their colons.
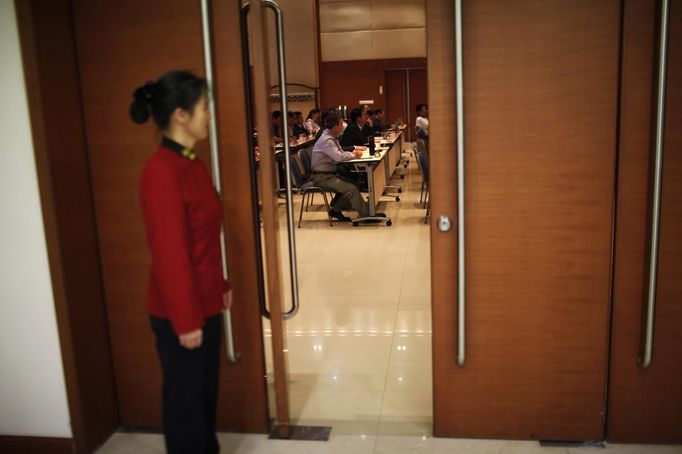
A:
x: 186, y: 292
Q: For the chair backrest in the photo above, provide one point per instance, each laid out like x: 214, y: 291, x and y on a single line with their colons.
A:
x: 422, y: 160
x: 417, y: 154
x: 424, y: 165
x: 421, y: 146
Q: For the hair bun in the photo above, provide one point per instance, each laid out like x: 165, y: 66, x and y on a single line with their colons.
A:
x: 144, y: 93
x: 142, y: 99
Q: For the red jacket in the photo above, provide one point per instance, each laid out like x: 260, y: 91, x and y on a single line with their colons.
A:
x: 182, y: 214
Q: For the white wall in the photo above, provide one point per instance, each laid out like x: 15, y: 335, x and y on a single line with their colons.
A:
x: 32, y: 391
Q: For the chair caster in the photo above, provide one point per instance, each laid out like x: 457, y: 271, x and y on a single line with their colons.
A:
x: 400, y: 190
x: 397, y: 198
x: 389, y: 223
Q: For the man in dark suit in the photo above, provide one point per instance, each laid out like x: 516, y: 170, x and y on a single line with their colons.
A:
x: 357, y: 131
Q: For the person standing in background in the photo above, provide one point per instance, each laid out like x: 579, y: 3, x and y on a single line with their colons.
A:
x: 186, y: 293
x: 422, y: 123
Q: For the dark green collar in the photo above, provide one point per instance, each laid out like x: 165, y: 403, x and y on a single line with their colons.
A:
x: 172, y: 145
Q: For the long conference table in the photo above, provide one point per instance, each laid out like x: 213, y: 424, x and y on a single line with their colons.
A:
x: 379, y: 169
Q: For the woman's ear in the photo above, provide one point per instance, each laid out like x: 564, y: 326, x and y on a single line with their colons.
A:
x: 180, y: 116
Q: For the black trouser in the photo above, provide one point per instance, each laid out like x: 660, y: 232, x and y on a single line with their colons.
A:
x: 190, y: 388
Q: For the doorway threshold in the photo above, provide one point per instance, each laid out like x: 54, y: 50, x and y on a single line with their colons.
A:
x: 572, y: 444
x: 305, y: 433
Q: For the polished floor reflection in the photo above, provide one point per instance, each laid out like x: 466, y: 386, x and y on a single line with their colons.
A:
x: 359, y: 350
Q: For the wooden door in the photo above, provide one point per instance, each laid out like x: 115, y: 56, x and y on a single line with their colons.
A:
x: 268, y: 192
x: 396, y: 95
x: 405, y: 88
x: 540, y: 117
x: 418, y: 94
x: 645, y: 405
x: 122, y: 44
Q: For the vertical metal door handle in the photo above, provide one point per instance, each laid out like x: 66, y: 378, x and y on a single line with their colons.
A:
x: 215, y: 160
x: 648, y: 341
x: 281, y: 67
x: 461, y: 338
x: 246, y: 65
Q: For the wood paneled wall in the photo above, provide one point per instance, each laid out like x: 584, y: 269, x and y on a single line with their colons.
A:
x: 348, y: 82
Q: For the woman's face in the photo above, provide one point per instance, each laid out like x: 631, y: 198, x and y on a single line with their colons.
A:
x: 197, y: 126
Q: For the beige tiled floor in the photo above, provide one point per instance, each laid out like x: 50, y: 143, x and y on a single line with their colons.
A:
x: 359, y: 350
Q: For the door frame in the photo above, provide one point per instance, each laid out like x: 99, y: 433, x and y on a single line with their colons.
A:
x: 48, y: 50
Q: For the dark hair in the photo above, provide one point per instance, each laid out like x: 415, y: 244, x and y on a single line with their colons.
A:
x: 332, y: 119
x: 276, y: 114
x: 370, y: 113
x: 175, y: 89
x: 378, y: 111
x: 312, y: 112
x: 419, y: 106
x: 355, y: 113
x: 325, y: 114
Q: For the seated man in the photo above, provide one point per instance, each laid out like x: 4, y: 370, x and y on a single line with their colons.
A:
x: 378, y: 121
x: 277, y: 136
x: 358, y: 130
x: 326, y: 154
x: 291, y: 119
